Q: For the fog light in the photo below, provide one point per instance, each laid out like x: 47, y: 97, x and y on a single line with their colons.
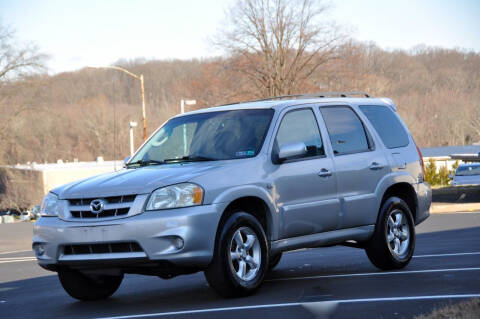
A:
x: 178, y: 243
x: 39, y: 249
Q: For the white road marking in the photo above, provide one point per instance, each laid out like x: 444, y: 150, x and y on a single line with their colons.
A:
x: 447, y: 255
x: 378, y: 273
x: 415, y: 256
x: 293, y: 304
x: 19, y: 259
x: 15, y: 251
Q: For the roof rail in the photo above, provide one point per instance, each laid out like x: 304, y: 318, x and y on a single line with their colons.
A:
x: 307, y: 96
x: 336, y: 94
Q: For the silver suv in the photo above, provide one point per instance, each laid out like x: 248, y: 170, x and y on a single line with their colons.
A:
x: 226, y: 190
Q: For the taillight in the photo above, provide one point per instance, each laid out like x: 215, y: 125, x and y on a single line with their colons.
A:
x: 421, y: 161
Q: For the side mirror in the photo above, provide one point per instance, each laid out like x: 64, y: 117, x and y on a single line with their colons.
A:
x: 450, y: 176
x: 125, y: 161
x: 291, y: 150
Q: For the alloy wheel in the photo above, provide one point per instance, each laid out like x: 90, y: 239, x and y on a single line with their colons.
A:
x: 245, y: 254
x: 398, y: 233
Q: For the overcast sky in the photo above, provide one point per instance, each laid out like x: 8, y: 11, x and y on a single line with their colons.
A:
x: 95, y: 32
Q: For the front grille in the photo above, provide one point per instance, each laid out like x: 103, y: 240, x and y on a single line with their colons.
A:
x: 110, y: 200
x: 114, y: 206
x: 105, y: 213
x: 84, y: 249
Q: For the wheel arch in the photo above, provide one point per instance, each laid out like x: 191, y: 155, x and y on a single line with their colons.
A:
x: 406, y: 192
x: 251, y: 204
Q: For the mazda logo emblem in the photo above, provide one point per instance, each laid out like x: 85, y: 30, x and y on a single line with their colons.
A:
x: 97, y: 206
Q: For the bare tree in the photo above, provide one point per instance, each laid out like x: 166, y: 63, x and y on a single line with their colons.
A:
x: 16, y: 62
x: 278, y: 43
x: 18, y: 59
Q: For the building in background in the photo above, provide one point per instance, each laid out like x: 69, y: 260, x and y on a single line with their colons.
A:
x: 24, y: 185
x: 449, y: 155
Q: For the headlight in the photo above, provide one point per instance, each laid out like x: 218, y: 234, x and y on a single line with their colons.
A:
x: 180, y: 195
x: 50, y: 205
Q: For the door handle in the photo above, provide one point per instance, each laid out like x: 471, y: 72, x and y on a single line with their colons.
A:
x: 324, y: 173
x: 376, y: 166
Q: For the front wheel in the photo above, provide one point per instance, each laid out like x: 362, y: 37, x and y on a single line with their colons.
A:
x: 86, y: 288
x: 240, y: 259
x: 393, y: 242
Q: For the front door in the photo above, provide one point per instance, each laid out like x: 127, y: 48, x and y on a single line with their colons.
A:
x: 304, y: 187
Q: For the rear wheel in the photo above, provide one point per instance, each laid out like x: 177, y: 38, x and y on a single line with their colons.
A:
x: 393, y: 242
x: 240, y: 259
x: 86, y: 288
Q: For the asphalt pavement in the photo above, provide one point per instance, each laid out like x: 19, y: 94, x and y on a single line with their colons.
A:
x: 334, y: 282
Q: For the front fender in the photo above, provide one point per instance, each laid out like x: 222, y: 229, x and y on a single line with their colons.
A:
x: 237, y: 192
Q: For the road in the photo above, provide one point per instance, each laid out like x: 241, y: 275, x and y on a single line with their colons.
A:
x: 335, y: 282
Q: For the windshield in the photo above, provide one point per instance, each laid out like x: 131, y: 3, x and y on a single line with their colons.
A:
x: 468, y: 170
x: 207, y: 136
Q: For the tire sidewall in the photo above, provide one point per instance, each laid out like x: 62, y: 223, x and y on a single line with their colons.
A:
x: 391, y: 204
x: 81, y: 287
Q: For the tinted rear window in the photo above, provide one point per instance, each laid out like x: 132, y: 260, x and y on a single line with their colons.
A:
x: 387, y: 125
x: 345, y: 129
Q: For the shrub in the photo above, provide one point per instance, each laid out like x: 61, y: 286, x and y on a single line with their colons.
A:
x: 442, y: 177
x: 431, y: 172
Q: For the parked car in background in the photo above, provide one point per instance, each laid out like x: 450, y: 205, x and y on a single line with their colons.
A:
x: 467, y: 174
x: 11, y: 212
x: 226, y: 190
x: 35, y: 211
x: 26, y: 216
x: 31, y: 214
x: 6, y: 213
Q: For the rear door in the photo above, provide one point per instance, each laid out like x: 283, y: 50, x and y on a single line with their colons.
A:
x: 359, y: 165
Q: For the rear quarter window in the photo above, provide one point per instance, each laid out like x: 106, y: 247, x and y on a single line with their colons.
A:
x: 387, y: 125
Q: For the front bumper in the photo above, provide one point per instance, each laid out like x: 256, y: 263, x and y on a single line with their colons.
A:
x: 184, y: 237
x: 424, y: 200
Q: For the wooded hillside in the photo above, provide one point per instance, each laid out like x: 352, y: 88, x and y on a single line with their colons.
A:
x: 83, y: 114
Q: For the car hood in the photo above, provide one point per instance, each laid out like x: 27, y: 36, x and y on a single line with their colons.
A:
x: 141, y: 180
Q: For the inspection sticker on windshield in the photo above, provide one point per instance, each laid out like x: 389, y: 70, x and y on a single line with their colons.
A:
x: 245, y: 153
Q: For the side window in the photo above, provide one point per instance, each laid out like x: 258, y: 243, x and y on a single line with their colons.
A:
x: 345, y: 129
x: 387, y: 125
x: 300, y: 126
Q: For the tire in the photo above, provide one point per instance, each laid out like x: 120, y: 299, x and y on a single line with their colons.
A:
x: 274, y: 260
x: 240, y: 245
x: 393, y: 241
x: 86, y: 288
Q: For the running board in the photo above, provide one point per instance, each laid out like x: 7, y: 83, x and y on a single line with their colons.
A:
x: 334, y: 237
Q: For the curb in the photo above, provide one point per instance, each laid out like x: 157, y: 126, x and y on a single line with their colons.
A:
x: 437, y: 208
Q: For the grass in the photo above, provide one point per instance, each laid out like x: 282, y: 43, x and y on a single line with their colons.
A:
x: 469, y: 309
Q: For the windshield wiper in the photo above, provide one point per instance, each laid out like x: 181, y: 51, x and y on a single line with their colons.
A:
x: 190, y: 158
x: 145, y: 163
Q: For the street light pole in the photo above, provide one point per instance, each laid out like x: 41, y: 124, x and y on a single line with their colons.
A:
x: 182, y: 110
x: 142, y: 87
x: 132, y: 125
x: 144, y: 118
